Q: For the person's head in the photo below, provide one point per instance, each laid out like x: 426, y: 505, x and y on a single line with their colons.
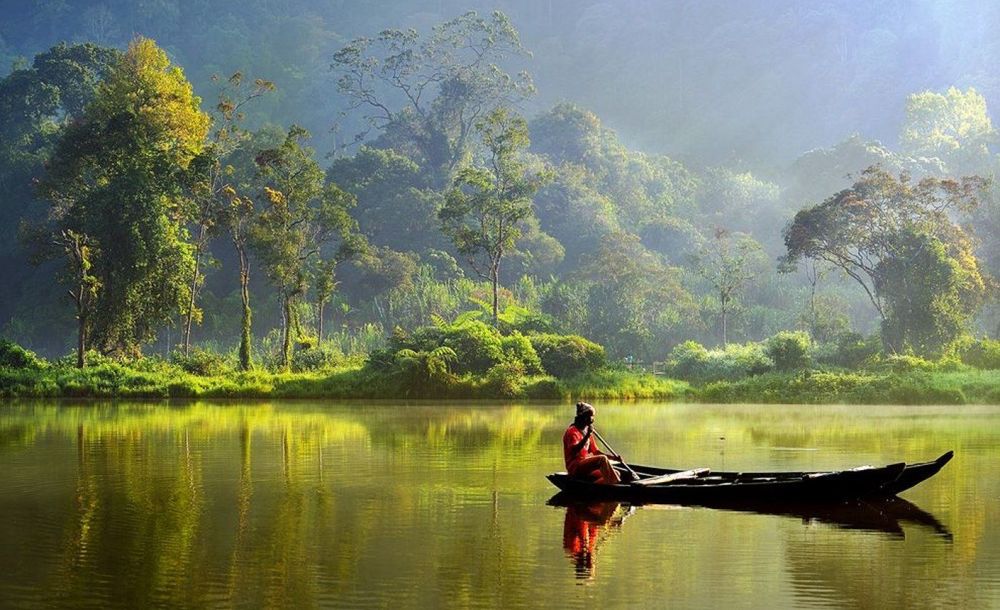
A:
x: 584, y: 414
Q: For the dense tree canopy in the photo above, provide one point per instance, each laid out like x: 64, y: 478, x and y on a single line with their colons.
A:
x: 443, y: 206
x: 872, y: 232
x: 116, y: 178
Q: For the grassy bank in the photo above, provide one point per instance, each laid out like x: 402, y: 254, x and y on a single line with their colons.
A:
x: 356, y: 382
x: 118, y: 381
x: 858, y: 387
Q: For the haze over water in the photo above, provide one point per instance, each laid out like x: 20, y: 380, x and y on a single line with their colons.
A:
x: 304, y: 504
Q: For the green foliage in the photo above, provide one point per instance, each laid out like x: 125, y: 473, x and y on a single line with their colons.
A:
x: 201, y: 362
x: 519, y: 350
x: 395, y: 208
x: 954, y: 126
x: 886, y: 234
x: 609, y: 383
x: 479, y: 346
x: 303, y: 218
x: 848, y: 350
x: 930, y: 295
x: 487, y: 207
x: 728, y: 263
x: 858, y: 388
x: 567, y: 355
x: 14, y: 356
x: 692, y: 361
x: 904, y: 363
x: 426, y: 373
x: 506, y: 380
x: 450, y: 80
x: 634, y: 302
x: 789, y: 350
x: 982, y: 354
x: 316, y: 358
x: 116, y: 178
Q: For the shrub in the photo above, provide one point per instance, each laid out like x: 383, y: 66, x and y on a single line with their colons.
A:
x: 505, y: 380
x: 567, y: 355
x: 381, y: 360
x: 478, y: 345
x: 789, y: 350
x: 517, y: 348
x: 201, y: 362
x: 690, y: 360
x: 14, y: 356
x: 982, y: 354
x: 545, y: 388
x: 904, y: 363
x: 425, y: 373
x: 850, y: 350
x: 316, y: 359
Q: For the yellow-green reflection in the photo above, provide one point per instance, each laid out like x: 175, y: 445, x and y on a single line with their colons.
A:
x: 306, y: 504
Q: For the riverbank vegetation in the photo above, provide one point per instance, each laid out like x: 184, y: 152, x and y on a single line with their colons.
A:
x: 738, y: 374
x: 458, y: 249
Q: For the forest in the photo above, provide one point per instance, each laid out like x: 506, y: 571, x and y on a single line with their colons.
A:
x: 426, y: 201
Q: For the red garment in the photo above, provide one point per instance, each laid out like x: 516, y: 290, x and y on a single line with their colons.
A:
x: 571, y: 438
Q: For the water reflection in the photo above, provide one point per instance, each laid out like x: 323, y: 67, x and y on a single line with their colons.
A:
x: 307, y: 505
x: 587, y: 525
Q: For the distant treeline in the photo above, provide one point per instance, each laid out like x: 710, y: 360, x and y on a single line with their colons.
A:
x: 141, y: 217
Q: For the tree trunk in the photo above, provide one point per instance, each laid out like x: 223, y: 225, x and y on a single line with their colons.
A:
x: 194, y: 291
x: 725, y: 338
x: 495, y: 280
x: 81, y: 341
x: 319, y: 323
x: 245, y: 294
x: 286, y: 340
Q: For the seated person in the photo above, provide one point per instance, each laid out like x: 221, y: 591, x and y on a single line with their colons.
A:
x: 583, y: 459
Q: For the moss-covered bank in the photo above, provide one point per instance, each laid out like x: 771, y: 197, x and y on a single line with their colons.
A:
x: 119, y: 381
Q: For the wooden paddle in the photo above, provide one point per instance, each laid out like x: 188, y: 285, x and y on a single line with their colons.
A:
x: 635, y: 475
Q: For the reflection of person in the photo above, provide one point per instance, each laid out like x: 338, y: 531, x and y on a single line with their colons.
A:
x: 581, y: 530
x: 583, y: 458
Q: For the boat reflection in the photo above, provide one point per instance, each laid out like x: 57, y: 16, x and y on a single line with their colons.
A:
x: 587, y: 523
x: 885, y: 515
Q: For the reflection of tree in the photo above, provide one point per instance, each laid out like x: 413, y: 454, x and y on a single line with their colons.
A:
x: 80, y: 531
x: 135, y: 520
x: 421, y: 505
x: 242, y: 544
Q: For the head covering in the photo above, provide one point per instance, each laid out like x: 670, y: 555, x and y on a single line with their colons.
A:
x: 582, y: 408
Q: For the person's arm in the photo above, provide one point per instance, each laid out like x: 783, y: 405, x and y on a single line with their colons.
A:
x: 594, y: 450
x: 577, y: 448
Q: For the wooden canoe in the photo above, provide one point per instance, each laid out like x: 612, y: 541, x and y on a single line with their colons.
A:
x: 720, y: 488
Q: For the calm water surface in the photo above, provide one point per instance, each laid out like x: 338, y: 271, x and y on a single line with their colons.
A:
x: 305, y: 504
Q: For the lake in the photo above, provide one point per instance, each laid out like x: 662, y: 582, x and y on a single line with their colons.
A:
x: 314, y: 504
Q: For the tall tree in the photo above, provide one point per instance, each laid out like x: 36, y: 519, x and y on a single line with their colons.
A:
x: 954, y: 126
x: 929, y: 295
x: 634, y: 304
x: 869, y: 231
x: 37, y: 102
x: 302, y: 219
x: 117, y: 177
x: 214, y: 204
x: 485, y: 210
x: 729, y: 262
x: 427, y: 92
